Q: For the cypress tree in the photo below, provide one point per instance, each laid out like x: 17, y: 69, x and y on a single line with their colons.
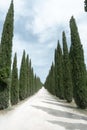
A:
x: 52, y: 80
x: 55, y: 71
x: 5, y: 58
x: 30, y: 80
x: 47, y: 83
x: 23, y: 79
x: 78, y: 67
x: 59, y: 72
x: 39, y: 84
x: 35, y: 83
x: 27, y: 72
x: 67, y: 80
x: 14, y: 83
x: 85, y: 5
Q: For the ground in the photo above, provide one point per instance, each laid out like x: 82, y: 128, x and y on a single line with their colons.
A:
x: 43, y: 111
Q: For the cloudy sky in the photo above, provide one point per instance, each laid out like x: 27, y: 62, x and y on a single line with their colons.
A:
x: 39, y: 25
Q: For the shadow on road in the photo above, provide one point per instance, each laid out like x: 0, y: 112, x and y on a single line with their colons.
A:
x: 58, y: 104
x: 70, y: 126
x: 64, y: 114
x: 55, y: 100
x: 59, y: 113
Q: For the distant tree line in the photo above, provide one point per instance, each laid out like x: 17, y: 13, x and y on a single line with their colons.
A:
x: 14, y: 88
x: 67, y: 78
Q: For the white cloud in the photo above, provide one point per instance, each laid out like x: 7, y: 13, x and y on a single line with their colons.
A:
x: 51, y: 12
x: 4, y: 5
x: 21, y: 9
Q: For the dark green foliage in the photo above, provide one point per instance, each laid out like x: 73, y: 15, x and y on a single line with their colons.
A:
x: 32, y: 82
x: 35, y: 83
x: 28, y: 82
x: 5, y: 58
x: 59, y: 72
x: 67, y: 80
x: 6, y: 42
x: 78, y: 67
x: 38, y: 83
x: 28, y: 76
x: 50, y: 81
x: 55, y: 70
x: 85, y: 5
x: 23, y: 79
x: 54, y: 80
x: 69, y: 71
x: 14, y: 83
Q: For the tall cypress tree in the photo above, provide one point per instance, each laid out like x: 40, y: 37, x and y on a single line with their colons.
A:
x: 52, y: 79
x: 55, y: 71
x: 39, y: 84
x: 59, y: 72
x: 48, y: 82
x: 32, y: 81
x: 28, y: 76
x: 35, y: 83
x: 14, y: 83
x: 5, y: 57
x: 85, y: 5
x: 78, y: 66
x: 23, y: 79
x: 67, y: 80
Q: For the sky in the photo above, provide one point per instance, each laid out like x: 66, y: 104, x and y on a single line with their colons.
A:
x: 38, y: 25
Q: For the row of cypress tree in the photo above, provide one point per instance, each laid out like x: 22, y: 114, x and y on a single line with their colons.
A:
x: 67, y: 76
x: 14, y: 88
x: 27, y: 83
